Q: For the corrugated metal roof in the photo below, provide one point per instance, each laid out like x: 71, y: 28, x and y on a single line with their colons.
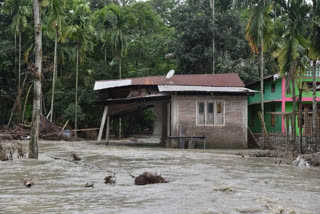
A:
x: 213, y: 80
x: 180, y: 88
x: 318, y: 88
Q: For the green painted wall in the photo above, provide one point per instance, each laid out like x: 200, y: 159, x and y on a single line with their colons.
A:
x: 307, y: 93
x: 254, y: 121
x: 268, y: 94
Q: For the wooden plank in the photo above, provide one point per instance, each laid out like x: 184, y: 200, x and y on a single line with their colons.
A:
x: 253, y: 138
x: 105, y: 112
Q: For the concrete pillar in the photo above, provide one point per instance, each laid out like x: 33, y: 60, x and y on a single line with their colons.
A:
x: 103, y: 121
x: 157, y: 122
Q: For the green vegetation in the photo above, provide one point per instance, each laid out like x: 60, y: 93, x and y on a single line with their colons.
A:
x: 88, y: 40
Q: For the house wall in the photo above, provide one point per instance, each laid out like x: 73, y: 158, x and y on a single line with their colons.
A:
x: 307, y: 93
x: 268, y: 94
x: 233, y: 134
x: 254, y: 121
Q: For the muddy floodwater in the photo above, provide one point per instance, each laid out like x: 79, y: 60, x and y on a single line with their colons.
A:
x: 200, y: 181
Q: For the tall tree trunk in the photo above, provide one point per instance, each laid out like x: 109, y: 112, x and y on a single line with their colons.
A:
x: 15, y: 55
x: 314, y: 105
x: 105, y: 53
x: 294, y: 134
x: 300, y: 121
x: 120, y: 124
x: 120, y: 67
x: 54, y: 71
x: 19, y: 71
x: 34, y: 138
x: 25, y: 104
x: 105, y: 58
x: 213, y: 42
x: 262, y: 95
x: 76, y: 100
x: 314, y: 91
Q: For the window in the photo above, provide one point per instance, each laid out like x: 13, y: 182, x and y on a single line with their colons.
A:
x: 210, y: 113
x: 273, y: 87
x: 201, y: 115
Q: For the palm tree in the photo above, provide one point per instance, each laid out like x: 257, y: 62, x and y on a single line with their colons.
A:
x: 315, y: 54
x: 213, y: 35
x: 293, y: 48
x: 20, y: 10
x: 103, y: 24
x: 118, y: 39
x: 56, y: 22
x: 259, y: 35
x: 33, y: 144
x: 79, y: 30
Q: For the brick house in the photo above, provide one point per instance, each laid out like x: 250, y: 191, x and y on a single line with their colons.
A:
x: 213, y: 106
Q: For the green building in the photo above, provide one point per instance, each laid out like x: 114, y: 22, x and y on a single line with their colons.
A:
x: 276, y: 99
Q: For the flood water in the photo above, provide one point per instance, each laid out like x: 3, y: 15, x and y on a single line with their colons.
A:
x: 200, y: 181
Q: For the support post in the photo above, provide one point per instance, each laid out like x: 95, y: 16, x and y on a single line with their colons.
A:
x: 108, y: 129
x: 105, y: 112
x: 164, y: 124
x: 265, y: 132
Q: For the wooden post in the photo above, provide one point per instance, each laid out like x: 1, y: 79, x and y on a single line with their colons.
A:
x: 105, y: 112
x: 287, y: 131
x: 264, y: 130
x: 108, y: 129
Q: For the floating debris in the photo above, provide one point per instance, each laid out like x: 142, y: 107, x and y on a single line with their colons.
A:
x: 89, y: 185
x: 312, y: 159
x: 110, y: 179
x: 223, y: 189
x: 148, y: 178
x: 75, y: 156
x: 28, y: 182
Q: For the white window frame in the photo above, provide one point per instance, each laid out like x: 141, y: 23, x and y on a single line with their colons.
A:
x: 206, y: 112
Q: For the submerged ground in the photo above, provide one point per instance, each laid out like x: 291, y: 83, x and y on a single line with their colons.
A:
x: 201, y: 181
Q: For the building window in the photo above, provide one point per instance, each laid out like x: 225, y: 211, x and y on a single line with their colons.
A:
x: 210, y: 113
x: 201, y: 115
x: 273, y: 87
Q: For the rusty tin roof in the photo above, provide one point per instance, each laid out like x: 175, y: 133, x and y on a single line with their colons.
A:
x: 213, y: 80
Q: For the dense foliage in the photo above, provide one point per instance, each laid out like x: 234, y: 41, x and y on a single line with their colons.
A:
x: 131, y: 38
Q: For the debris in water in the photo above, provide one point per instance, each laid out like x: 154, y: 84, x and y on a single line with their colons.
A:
x: 300, y: 162
x: 75, y: 157
x: 110, y: 179
x: 28, y: 182
x: 89, y: 185
x: 224, y: 189
x: 47, y: 131
x: 312, y: 159
x: 148, y: 178
x: 9, y: 149
x: 269, y: 154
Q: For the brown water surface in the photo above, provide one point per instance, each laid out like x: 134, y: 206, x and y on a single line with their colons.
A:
x: 201, y: 181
